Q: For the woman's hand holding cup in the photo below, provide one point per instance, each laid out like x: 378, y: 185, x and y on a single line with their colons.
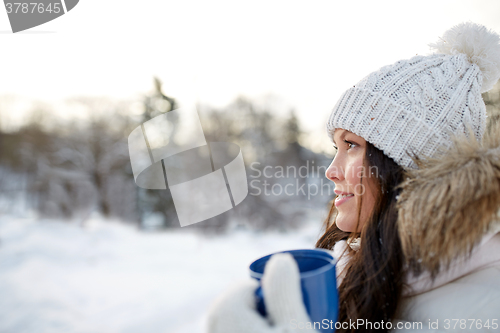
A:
x: 235, y: 311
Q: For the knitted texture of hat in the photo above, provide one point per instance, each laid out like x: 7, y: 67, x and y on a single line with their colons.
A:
x: 412, y: 107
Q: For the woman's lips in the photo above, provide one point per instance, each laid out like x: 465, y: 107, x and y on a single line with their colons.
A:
x: 342, y: 198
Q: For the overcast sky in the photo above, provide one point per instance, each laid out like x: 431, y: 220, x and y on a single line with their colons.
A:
x: 301, y: 54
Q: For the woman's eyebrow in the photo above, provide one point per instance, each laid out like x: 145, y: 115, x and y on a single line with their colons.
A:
x: 342, y: 136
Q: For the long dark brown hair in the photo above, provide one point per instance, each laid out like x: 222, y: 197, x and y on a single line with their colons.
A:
x: 371, y: 288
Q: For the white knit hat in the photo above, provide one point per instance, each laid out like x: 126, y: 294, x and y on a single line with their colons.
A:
x: 413, y: 106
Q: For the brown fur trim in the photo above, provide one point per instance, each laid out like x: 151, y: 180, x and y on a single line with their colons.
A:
x: 450, y: 202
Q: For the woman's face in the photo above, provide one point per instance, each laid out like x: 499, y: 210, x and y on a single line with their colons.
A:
x: 350, y: 173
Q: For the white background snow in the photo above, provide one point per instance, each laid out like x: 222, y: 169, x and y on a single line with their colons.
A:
x: 109, y: 277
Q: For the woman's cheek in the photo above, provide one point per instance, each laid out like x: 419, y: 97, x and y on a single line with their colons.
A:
x: 354, y: 172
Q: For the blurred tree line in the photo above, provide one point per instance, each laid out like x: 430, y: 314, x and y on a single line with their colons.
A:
x: 72, y: 169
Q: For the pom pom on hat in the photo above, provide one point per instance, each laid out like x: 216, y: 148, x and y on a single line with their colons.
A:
x: 482, y: 47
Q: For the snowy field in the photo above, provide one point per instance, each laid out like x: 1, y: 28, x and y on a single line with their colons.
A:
x: 108, y: 277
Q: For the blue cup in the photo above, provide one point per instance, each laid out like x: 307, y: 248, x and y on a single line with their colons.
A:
x: 318, y: 282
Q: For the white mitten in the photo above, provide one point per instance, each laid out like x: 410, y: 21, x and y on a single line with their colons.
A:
x: 235, y: 311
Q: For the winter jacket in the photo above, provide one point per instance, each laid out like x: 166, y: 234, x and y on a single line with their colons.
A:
x: 465, y: 298
x: 449, y: 225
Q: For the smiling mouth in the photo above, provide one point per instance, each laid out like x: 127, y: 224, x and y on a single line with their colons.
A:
x: 341, y: 198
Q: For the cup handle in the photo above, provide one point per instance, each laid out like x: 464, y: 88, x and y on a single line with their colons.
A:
x: 259, y: 301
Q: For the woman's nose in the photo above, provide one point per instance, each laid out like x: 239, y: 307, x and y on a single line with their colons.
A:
x: 334, y: 171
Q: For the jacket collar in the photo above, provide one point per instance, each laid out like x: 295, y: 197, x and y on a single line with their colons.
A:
x: 486, y: 254
x: 450, y: 203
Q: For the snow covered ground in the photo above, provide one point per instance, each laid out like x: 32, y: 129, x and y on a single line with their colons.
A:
x: 108, y: 277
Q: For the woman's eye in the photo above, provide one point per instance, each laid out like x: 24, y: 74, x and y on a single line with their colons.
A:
x: 350, y: 144
x: 335, y: 147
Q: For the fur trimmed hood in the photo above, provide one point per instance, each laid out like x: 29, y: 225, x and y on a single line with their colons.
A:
x: 450, y: 202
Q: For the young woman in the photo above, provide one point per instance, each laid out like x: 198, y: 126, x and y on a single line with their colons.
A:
x: 415, y: 222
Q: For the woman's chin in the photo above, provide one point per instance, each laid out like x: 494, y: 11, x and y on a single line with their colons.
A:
x: 345, y: 224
